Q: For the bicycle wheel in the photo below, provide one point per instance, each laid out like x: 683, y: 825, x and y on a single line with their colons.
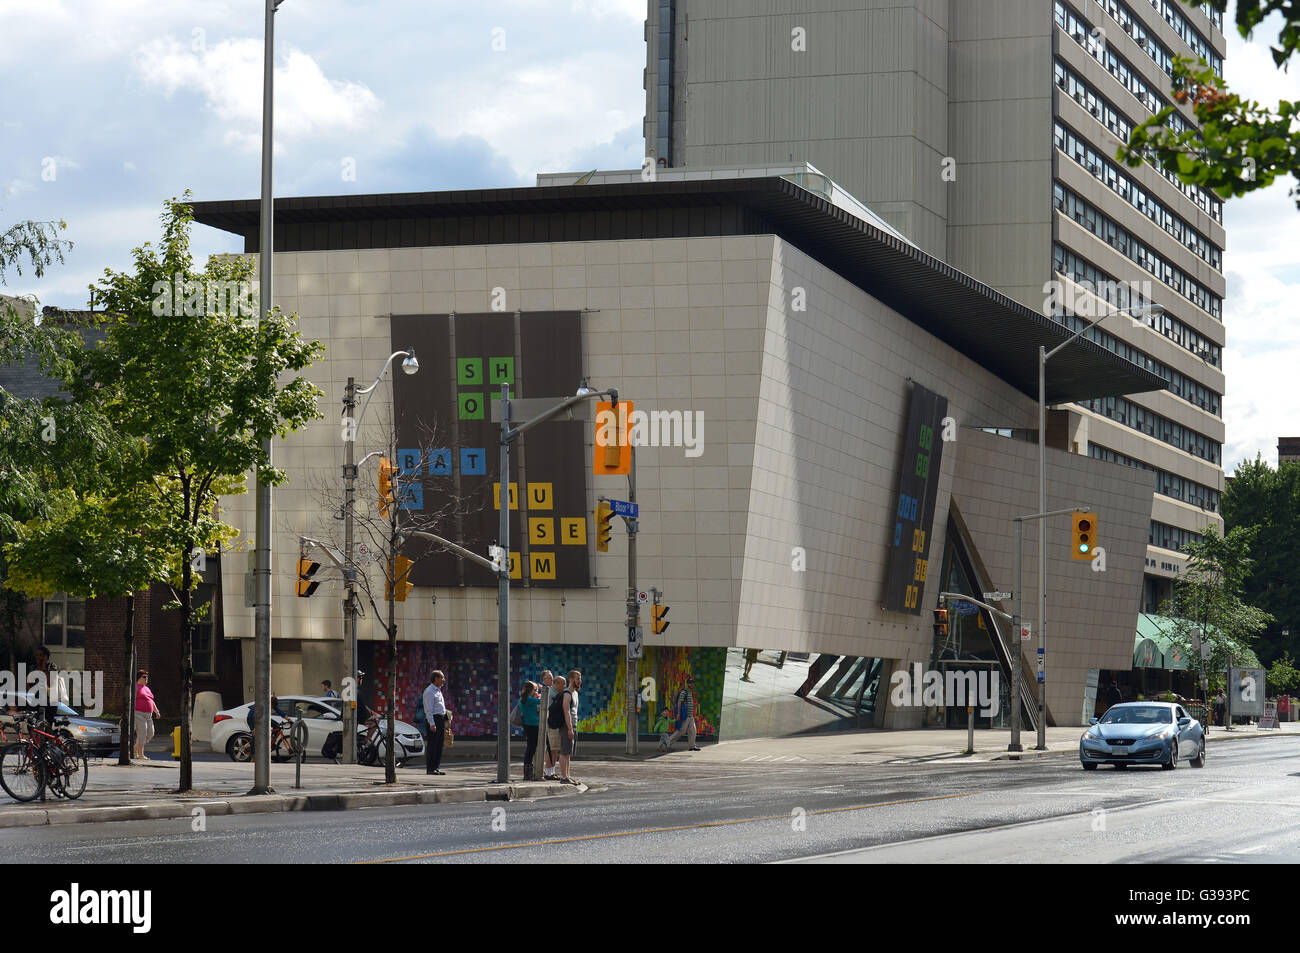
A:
x: 76, y: 770
x: 281, y: 750
x: 22, y: 772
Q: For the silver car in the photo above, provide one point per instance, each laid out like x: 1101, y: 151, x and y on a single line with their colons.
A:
x: 1143, y: 733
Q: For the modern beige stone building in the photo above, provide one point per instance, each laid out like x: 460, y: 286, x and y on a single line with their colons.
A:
x: 986, y: 131
x: 805, y: 336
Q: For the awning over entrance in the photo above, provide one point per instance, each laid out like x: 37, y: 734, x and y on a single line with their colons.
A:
x: 1152, y: 646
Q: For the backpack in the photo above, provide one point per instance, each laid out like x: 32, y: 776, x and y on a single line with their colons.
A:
x: 555, y: 714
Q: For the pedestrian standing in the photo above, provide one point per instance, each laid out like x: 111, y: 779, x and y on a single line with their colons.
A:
x: 685, y: 706
x: 435, y: 710
x: 555, y: 724
x: 146, y: 710
x: 529, y: 701
x: 569, y: 738
x: 548, y: 683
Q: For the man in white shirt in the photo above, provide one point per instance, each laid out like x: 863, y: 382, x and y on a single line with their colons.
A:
x: 435, y: 711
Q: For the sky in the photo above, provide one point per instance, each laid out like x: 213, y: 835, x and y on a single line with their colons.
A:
x: 113, y: 106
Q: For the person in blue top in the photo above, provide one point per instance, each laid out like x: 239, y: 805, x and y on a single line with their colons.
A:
x: 275, y: 710
x: 529, y: 700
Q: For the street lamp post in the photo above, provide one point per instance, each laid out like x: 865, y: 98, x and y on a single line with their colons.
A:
x: 262, y: 554
x: 508, y: 435
x: 1044, y: 356
x: 351, y: 427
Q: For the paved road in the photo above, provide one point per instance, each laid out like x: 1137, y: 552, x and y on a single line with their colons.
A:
x: 1244, y: 807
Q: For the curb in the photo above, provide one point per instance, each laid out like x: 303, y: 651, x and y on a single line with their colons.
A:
x: 277, y: 803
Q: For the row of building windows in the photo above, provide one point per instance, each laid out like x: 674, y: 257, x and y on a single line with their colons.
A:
x: 1182, y: 26
x: 1135, y: 250
x: 1167, y: 484
x: 1126, y: 412
x: 1176, y: 383
x: 1120, y: 295
x: 1081, y: 30
x: 664, y: 83
x: 1073, y: 145
x: 1171, y: 537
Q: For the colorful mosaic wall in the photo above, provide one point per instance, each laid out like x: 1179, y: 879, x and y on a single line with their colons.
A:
x: 471, y: 672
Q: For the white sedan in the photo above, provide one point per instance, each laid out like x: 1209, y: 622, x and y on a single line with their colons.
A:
x: 321, y: 715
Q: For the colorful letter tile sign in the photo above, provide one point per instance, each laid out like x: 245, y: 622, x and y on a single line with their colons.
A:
x: 913, y: 515
x: 464, y: 360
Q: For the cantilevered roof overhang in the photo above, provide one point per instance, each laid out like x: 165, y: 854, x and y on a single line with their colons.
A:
x: 996, y: 332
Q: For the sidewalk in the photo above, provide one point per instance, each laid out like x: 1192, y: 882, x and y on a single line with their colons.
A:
x: 144, y: 791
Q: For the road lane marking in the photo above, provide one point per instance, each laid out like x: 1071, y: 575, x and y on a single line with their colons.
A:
x: 660, y: 830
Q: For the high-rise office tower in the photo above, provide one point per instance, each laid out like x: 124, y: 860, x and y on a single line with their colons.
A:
x: 986, y: 132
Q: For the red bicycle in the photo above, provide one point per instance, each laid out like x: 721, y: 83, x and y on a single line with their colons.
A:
x: 39, y: 759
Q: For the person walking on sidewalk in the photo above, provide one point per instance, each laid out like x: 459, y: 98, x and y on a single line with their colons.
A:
x: 528, y: 705
x: 685, y: 706
x: 435, y: 710
x: 145, y: 712
x: 665, y: 727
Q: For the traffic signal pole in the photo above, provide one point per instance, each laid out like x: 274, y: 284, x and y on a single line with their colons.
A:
x: 633, y: 614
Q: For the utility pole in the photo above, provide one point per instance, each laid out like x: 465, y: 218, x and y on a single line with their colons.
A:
x: 262, y: 552
x: 633, y: 614
x: 349, y: 705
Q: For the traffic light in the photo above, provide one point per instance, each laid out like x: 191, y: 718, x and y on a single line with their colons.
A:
x: 307, y: 569
x: 941, y: 623
x: 604, y: 517
x: 1084, y: 537
x: 401, y: 575
x: 387, y: 481
x: 660, y: 615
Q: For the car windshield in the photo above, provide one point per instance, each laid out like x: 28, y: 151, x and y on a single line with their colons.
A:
x: 1138, y: 715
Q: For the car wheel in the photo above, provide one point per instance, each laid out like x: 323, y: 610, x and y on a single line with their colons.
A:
x: 240, y: 748
x: 1090, y: 765
x: 1199, y: 760
x: 1173, y: 757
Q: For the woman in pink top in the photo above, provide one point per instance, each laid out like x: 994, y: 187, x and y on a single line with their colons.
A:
x: 145, y: 712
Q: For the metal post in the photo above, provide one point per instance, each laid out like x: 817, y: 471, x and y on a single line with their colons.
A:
x: 349, y: 706
x: 970, y: 729
x: 1016, y: 623
x: 633, y: 613
x: 503, y: 600
x: 1042, y: 548
x: 262, y: 559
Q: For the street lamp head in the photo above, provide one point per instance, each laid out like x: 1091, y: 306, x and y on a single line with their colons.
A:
x: 584, y: 390
x: 410, y: 365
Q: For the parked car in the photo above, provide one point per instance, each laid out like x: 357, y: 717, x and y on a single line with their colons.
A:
x: 99, y: 737
x: 1143, y: 733
x: 322, y: 715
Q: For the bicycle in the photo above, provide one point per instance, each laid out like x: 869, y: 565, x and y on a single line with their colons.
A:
x: 372, y: 749
x: 291, y: 744
x: 39, y: 759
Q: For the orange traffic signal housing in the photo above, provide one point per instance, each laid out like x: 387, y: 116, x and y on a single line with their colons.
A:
x: 613, y: 438
x: 1084, y: 536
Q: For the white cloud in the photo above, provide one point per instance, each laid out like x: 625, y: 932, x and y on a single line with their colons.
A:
x: 633, y: 9
x: 543, y: 117
x: 228, y: 75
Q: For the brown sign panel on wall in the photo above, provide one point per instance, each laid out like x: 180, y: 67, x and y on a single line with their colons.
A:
x: 463, y: 363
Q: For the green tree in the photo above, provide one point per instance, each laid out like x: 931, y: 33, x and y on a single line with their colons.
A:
x: 1207, y: 596
x: 1241, y: 145
x: 38, y: 244
x: 189, y: 374
x: 1283, y: 675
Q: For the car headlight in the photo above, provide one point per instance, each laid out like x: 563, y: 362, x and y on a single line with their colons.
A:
x: 1092, y: 735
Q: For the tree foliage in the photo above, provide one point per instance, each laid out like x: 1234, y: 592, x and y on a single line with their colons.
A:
x: 37, y: 243
x: 1269, y: 499
x: 1241, y: 145
x: 1207, y: 596
x: 190, y: 384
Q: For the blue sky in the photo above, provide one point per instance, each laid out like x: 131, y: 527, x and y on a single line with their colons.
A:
x: 115, y: 105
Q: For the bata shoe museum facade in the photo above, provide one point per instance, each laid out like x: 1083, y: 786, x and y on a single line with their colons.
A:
x: 833, y: 427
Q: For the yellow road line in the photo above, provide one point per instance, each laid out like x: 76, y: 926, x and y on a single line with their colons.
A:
x: 659, y: 830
